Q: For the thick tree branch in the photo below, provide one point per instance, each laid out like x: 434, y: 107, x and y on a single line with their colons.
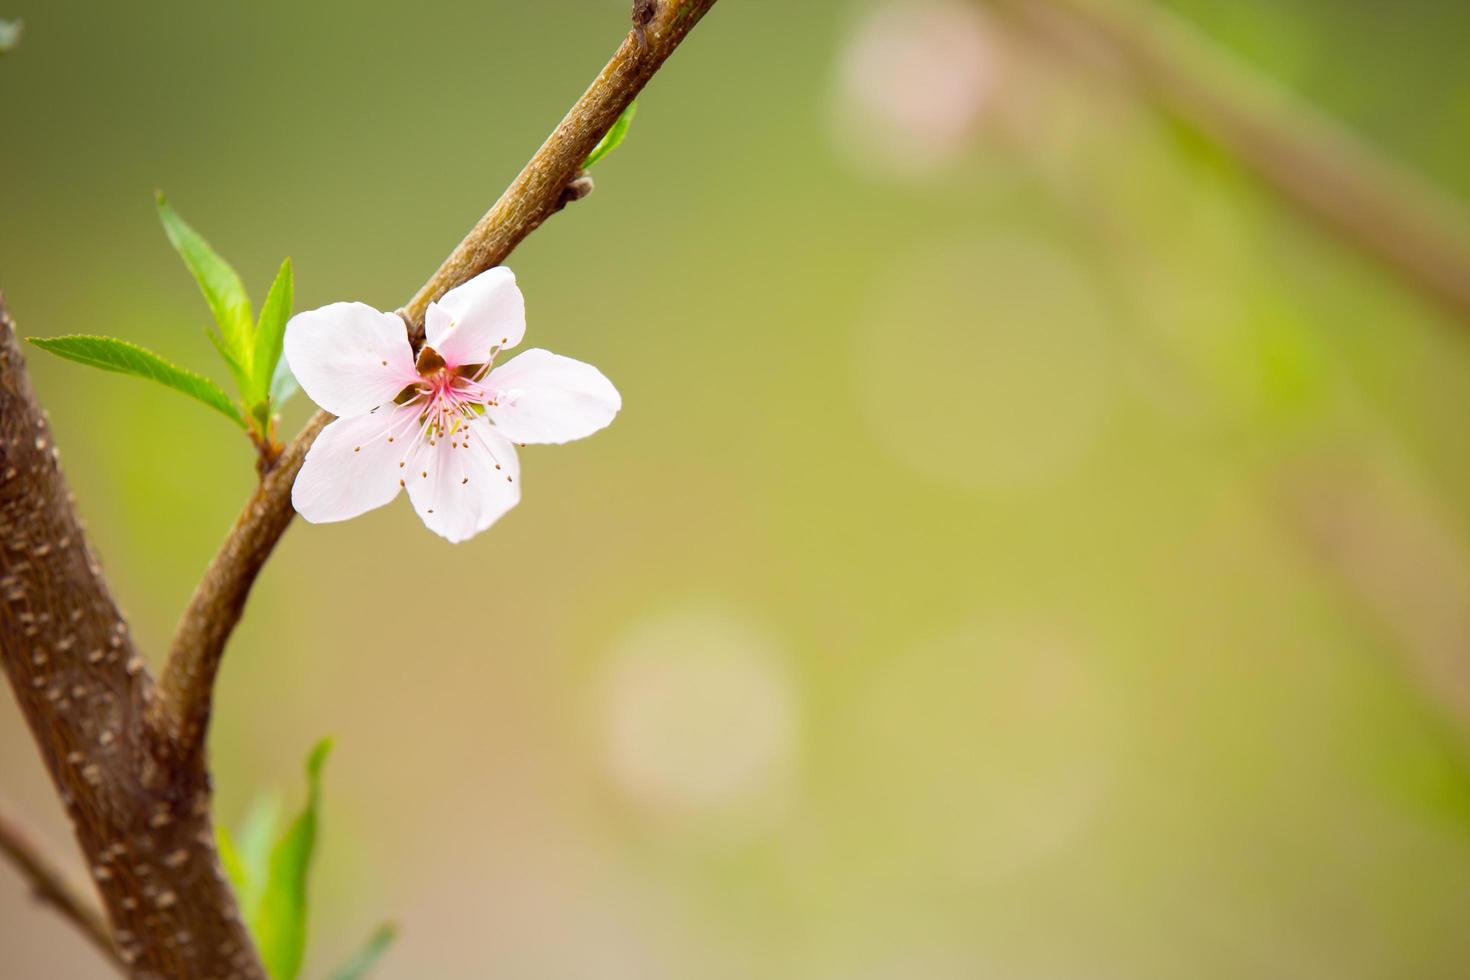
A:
x: 1317, y: 166
x: 181, y: 708
x: 52, y: 885
x: 142, y: 820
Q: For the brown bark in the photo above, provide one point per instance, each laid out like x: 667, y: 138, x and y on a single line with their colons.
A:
x: 141, y: 819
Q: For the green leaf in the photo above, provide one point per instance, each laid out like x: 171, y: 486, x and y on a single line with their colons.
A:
x: 229, y: 856
x: 237, y: 370
x: 283, y: 384
x: 10, y: 31
x: 614, y: 136
x: 367, y: 957
x: 252, y: 853
x: 270, y: 331
x: 280, y: 925
x: 260, y: 417
x: 111, y: 354
x: 219, y: 283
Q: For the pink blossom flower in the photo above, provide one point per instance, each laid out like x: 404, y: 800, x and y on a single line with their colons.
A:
x: 443, y: 426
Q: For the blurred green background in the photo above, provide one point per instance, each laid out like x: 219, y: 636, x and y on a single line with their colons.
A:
x: 1028, y: 549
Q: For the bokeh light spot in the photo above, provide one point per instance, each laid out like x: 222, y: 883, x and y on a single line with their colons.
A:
x: 984, y: 362
x: 912, y: 84
x: 700, y: 715
x: 1005, y: 727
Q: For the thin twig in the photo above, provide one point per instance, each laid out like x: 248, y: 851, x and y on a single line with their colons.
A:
x: 1380, y: 208
x: 538, y: 191
x: 181, y: 707
x: 53, y: 886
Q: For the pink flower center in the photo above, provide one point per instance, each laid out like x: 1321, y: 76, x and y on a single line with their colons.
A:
x: 442, y: 404
x: 446, y: 400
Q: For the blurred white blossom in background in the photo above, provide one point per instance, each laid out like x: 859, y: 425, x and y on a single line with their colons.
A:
x: 912, y: 84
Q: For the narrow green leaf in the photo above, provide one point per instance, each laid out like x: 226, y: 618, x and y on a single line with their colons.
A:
x: 237, y: 370
x: 219, y: 283
x: 260, y: 417
x: 270, y: 331
x: 280, y: 926
x: 614, y: 136
x: 111, y: 354
x: 229, y: 856
x: 253, y: 849
x: 367, y: 957
x: 283, y: 384
x: 10, y: 31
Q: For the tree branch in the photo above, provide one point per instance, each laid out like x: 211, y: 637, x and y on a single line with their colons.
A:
x: 52, y: 885
x: 1326, y: 172
x: 537, y: 192
x: 142, y: 820
x: 181, y: 708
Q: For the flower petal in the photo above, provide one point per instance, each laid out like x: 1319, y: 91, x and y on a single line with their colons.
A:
x: 462, y: 483
x: 349, y: 357
x: 488, y: 311
x: 544, y: 397
x: 353, y: 466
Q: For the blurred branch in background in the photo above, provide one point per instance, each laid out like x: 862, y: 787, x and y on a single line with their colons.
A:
x: 53, y: 885
x: 1366, y: 200
x: 1391, y: 546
